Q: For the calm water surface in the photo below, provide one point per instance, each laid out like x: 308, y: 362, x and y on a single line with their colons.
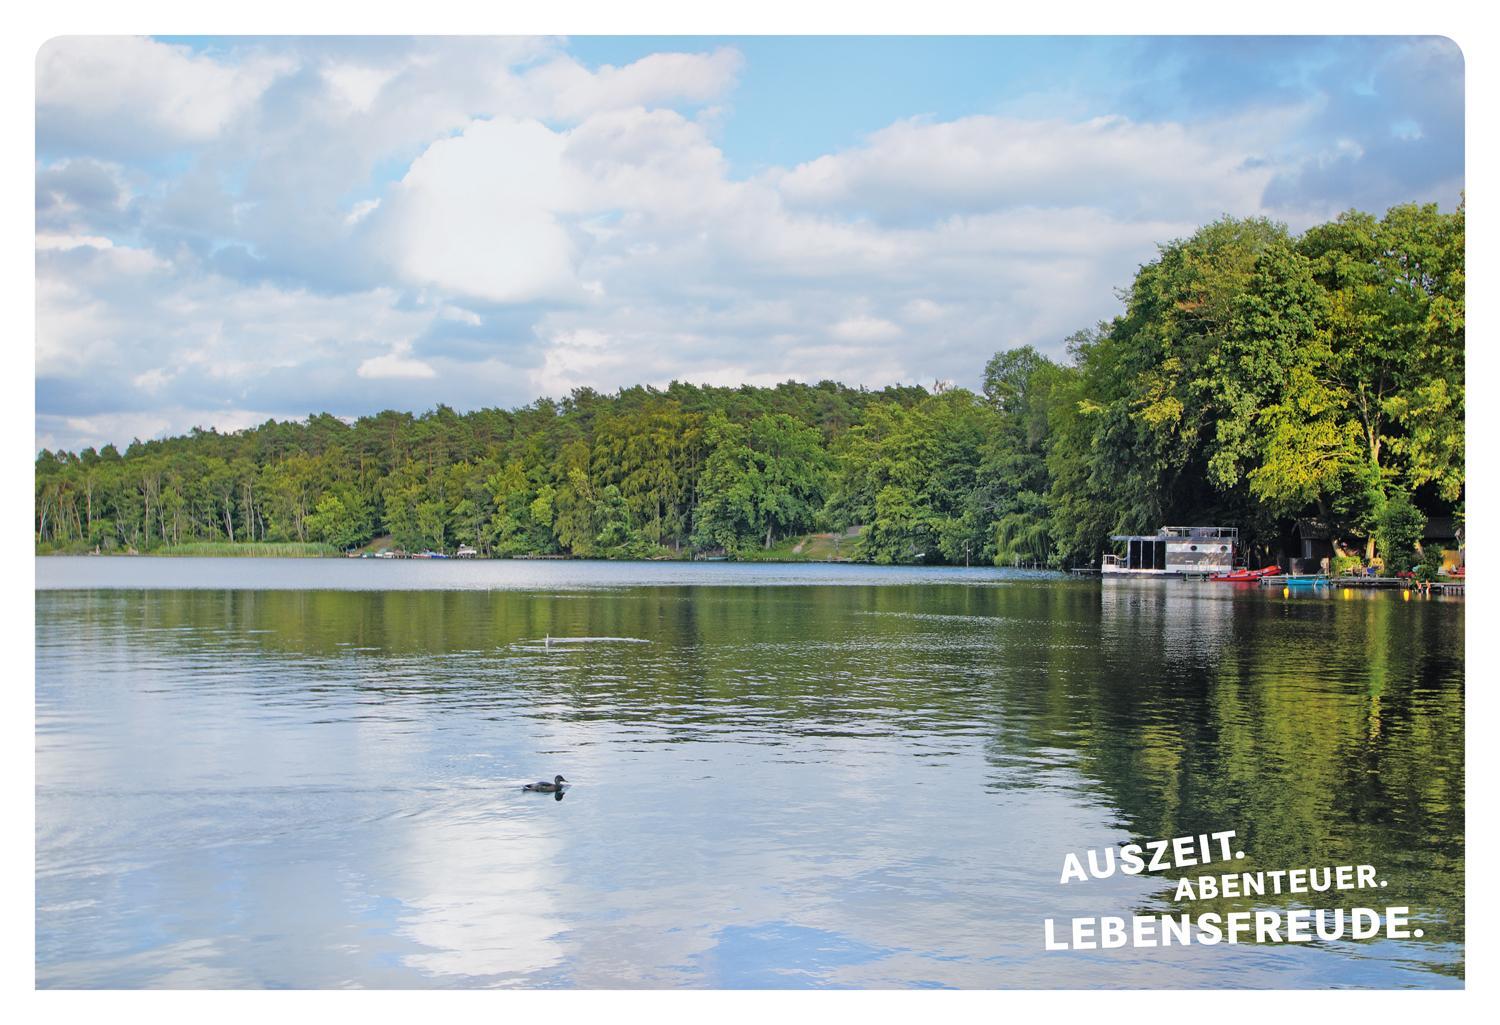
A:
x: 305, y: 773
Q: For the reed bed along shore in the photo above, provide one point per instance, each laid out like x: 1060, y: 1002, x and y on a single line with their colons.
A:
x: 218, y: 549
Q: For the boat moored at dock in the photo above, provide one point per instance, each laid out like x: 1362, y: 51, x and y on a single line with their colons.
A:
x: 1242, y: 575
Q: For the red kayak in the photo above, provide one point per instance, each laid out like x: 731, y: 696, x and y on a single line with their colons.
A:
x: 1243, y: 575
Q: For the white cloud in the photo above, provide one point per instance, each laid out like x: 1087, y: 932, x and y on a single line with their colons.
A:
x: 74, y: 193
x: 183, y: 336
x: 477, y: 214
x: 47, y: 240
x: 100, y: 429
x: 397, y: 363
x: 650, y: 161
x: 922, y: 311
x: 567, y: 89
x: 863, y: 328
x: 580, y: 357
x: 921, y: 169
x: 152, y: 380
x: 461, y: 315
x: 359, y: 211
x: 83, y: 292
x: 136, y: 93
x: 358, y: 86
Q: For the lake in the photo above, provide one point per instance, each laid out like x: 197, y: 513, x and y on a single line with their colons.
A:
x: 306, y: 773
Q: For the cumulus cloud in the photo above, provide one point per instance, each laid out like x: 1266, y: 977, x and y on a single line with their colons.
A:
x: 566, y: 89
x: 575, y: 358
x: 922, y: 311
x: 49, y: 240
x: 357, y: 85
x: 137, y: 95
x: 915, y: 169
x: 477, y: 214
x: 121, y: 330
x: 863, y: 328
x: 396, y: 363
x: 75, y: 193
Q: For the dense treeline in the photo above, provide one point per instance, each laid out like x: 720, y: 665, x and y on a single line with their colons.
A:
x: 1253, y: 377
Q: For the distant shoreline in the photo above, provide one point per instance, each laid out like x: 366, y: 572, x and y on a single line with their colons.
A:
x: 265, y: 554
x: 798, y: 548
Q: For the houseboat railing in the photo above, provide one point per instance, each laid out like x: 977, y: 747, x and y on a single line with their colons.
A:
x: 1202, y: 533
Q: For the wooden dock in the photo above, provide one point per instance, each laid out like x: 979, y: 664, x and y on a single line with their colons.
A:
x: 1449, y: 587
x: 1401, y: 583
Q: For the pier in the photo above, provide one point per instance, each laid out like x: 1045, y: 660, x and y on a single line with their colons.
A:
x: 1449, y: 587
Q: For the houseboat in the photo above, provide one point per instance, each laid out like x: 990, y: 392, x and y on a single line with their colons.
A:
x: 1174, y: 552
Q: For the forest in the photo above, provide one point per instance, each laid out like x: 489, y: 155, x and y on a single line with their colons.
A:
x: 1253, y: 376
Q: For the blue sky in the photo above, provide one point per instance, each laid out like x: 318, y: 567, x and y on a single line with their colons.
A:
x: 235, y: 228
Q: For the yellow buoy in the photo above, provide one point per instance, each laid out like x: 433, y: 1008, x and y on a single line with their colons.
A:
x: 1348, y: 593
x: 1286, y: 592
x: 1406, y: 596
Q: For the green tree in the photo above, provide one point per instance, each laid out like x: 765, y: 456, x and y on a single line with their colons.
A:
x: 1398, y: 531
x: 341, y: 519
x: 1010, y: 504
x: 760, y: 480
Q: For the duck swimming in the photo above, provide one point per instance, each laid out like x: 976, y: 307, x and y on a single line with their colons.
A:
x: 547, y: 788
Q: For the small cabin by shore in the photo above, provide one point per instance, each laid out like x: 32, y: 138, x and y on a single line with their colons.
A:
x: 1447, y: 534
x: 1174, y: 551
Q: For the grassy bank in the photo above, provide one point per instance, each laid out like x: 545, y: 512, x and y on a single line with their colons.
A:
x: 252, y: 549
x: 211, y: 549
